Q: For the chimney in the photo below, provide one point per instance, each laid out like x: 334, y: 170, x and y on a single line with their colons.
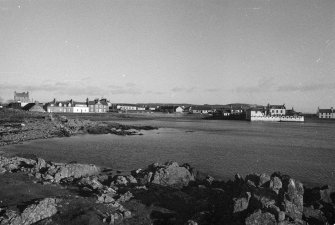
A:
x: 332, y: 109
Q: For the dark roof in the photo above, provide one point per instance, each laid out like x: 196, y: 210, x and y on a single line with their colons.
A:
x: 96, y: 101
x: 56, y: 103
x: 33, y: 107
x: 326, y: 110
x: 79, y: 103
x: 277, y: 107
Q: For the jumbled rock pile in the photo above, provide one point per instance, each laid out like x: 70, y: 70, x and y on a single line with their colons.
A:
x: 172, y: 194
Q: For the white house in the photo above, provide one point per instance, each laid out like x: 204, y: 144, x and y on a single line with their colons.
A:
x: 326, y: 113
x: 276, y: 110
x: 80, y: 107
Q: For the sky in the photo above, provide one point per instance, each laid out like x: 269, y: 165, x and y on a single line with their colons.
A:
x: 170, y: 51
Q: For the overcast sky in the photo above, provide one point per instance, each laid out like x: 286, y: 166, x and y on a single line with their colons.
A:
x: 183, y: 51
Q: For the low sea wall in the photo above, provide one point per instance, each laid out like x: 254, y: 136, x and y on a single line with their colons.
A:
x: 278, y: 118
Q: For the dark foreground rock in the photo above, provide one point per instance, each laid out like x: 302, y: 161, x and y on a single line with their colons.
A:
x: 33, y: 213
x: 160, y: 194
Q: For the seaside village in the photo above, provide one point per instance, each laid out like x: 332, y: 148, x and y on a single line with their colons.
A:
x: 249, y: 112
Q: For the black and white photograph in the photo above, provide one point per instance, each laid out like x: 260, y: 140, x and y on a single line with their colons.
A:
x: 167, y: 112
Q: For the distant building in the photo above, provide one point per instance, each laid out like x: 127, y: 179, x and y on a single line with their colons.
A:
x: 22, y: 98
x: 326, y: 113
x: 255, y: 112
x: 273, y: 113
x: 203, y: 109
x: 276, y: 110
x: 79, y: 107
x: 97, y: 106
x: 66, y: 107
x: 126, y: 107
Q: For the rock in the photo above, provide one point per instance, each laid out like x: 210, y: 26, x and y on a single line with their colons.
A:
x: 241, y: 203
x: 293, y: 199
x: 264, y: 179
x: 209, y: 180
x: 62, y: 171
x: 325, y: 193
x: 127, y: 214
x: 120, y: 181
x: 125, y: 197
x: 279, y: 215
x: 32, y: 214
x: 131, y: 179
x: 106, y: 198
x: 252, y: 179
x: 48, y: 177
x: 259, y: 218
x: 238, y: 179
x: 315, y: 215
x: 40, y: 164
x: 16, y: 163
x: 292, y: 210
x: 262, y: 198
x: 191, y: 222
x: 90, y: 182
x: 169, y: 174
x: 116, y: 218
x: 275, y: 184
x: 2, y: 170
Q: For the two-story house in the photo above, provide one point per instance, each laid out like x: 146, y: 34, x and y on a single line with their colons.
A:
x: 326, y: 113
x: 97, y: 106
x: 276, y: 110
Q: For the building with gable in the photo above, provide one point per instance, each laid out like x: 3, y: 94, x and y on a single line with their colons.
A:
x: 97, y: 106
x: 326, y: 113
x: 66, y: 107
x: 276, y: 110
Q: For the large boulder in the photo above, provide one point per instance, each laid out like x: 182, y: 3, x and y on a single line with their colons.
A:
x: 170, y: 174
x: 60, y: 171
x: 91, y: 183
x: 292, y: 196
x: 32, y: 214
x: 241, y: 203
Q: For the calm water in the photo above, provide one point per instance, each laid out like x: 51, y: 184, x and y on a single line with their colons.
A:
x: 306, y: 151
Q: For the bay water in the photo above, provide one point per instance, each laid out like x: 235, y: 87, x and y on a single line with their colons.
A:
x: 221, y: 148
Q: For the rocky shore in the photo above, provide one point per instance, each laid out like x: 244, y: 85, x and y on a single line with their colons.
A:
x: 71, y: 193
x: 17, y: 126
